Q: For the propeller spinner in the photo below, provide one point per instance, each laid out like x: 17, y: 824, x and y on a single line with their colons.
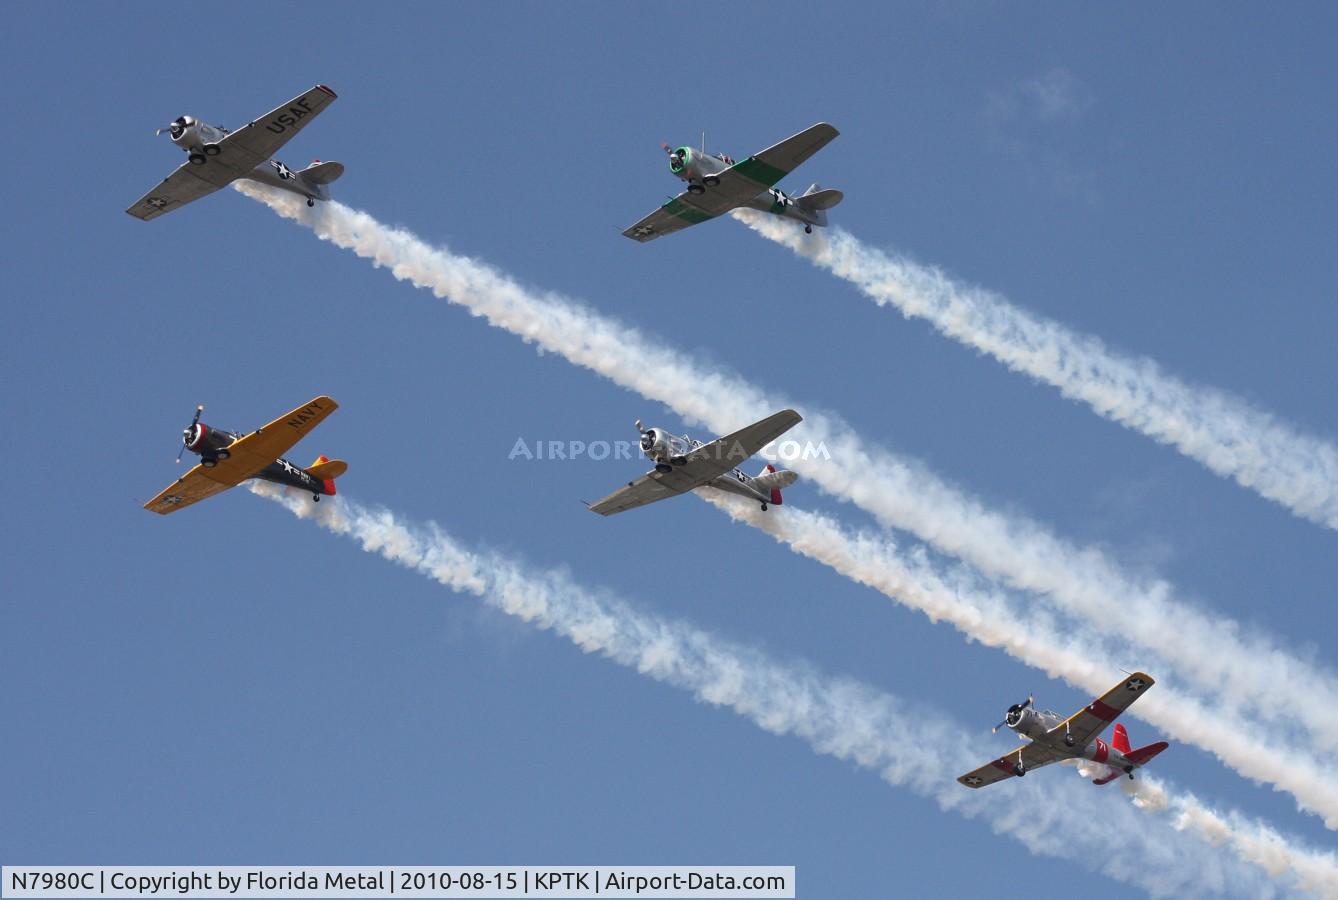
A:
x: 1013, y: 711
x: 187, y: 433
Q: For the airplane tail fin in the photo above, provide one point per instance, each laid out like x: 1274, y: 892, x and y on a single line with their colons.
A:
x: 771, y: 480
x: 1120, y: 740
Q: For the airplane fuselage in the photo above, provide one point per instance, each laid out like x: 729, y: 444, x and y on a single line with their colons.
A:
x: 197, y: 139
x: 211, y: 445
x: 1035, y: 725
x: 699, y: 170
x: 668, y: 450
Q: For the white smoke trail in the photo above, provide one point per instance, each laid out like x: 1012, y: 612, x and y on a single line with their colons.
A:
x: 1252, y: 840
x: 837, y: 717
x: 1060, y: 650
x: 1207, y: 651
x: 1222, y: 432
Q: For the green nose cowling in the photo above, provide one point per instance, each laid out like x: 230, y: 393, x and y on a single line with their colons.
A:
x: 678, y: 160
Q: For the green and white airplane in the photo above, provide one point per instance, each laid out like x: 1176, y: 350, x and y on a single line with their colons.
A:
x: 717, y: 184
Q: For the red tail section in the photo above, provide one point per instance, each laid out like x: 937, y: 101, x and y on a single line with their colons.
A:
x: 1120, y: 740
x: 775, y: 492
x: 1143, y: 755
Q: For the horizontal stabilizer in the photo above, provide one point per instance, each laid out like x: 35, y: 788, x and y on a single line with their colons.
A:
x: 1143, y: 755
x: 820, y: 200
x: 770, y: 479
x: 327, y: 469
x: 323, y: 172
x: 1108, y: 779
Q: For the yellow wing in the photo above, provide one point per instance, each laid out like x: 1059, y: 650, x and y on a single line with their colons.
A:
x: 249, y: 454
x: 1033, y: 756
x: 190, y: 488
x: 1090, y: 721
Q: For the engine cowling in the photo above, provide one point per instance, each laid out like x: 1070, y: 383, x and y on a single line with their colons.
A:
x: 655, y: 444
x: 189, y: 133
x: 207, y: 442
x: 680, y: 161
x: 184, y: 131
x: 1023, y: 720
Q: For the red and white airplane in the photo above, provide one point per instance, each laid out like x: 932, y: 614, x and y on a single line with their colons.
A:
x: 1053, y: 738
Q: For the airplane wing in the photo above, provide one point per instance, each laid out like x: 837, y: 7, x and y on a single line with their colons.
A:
x: 723, y: 454
x: 675, y: 215
x: 700, y: 466
x: 253, y: 144
x: 187, y: 183
x: 1033, y: 757
x: 263, y: 446
x: 190, y: 488
x: 777, y: 161
x: 647, y: 489
x: 246, y: 456
x: 1090, y: 721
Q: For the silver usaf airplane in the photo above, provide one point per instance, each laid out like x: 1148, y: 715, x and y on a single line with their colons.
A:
x: 717, y: 184
x: 217, y: 157
x: 682, y: 464
x: 1053, y: 738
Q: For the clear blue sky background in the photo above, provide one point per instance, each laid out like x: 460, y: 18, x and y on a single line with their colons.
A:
x: 230, y: 685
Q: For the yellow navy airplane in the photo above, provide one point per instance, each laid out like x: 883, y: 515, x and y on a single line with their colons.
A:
x: 1052, y: 738
x: 717, y: 184
x: 216, y: 157
x: 228, y: 459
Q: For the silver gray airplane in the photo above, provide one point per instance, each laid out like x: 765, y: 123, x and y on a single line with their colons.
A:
x: 682, y: 464
x: 217, y: 157
x: 717, y: 184
x: 1053, y: 738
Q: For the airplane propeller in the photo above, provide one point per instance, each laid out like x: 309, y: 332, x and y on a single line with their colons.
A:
x: 647, y: 436
x: 175, y: 128
x: 1015, y: 708
x: 189, y: 428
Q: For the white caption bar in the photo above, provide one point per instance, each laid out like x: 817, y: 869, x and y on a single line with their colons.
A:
x: 397, y: 881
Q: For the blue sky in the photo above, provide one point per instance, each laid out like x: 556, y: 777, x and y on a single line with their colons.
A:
x: 229, y: 685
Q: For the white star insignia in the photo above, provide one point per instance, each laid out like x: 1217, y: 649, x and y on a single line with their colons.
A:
x: 1136, y: 684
